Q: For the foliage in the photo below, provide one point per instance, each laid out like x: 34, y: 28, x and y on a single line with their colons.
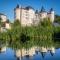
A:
x: 57, y: 19
x: 25, y: 37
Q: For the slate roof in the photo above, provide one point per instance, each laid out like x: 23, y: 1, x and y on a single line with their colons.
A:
x: 42, y: 9
x: 1, y: 14
x: 29, y: 7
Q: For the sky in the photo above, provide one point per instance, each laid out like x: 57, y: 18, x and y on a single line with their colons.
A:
x: 7, y: 6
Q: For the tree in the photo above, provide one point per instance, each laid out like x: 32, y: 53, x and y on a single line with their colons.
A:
x: 57, y: 19
x: 0, y: 22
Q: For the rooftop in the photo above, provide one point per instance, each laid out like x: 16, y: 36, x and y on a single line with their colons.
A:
x: 17, y: 6
x: 29, y: 7
x: 2, y: 14
x: 36, y: 12
x: 42, y: 9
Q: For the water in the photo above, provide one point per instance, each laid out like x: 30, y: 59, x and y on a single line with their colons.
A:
x: 48, y: 56
x: 9, y: 55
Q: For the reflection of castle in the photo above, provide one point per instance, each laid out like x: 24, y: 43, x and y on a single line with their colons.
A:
x: 32, y: 51
x: 28, y: 16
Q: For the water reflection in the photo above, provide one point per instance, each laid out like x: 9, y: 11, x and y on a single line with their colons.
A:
x: 34, y: 50
x: 7, y: 55
x: 53, y: 54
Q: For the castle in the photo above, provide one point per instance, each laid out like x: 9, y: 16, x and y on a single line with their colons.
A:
x: 28, y: 16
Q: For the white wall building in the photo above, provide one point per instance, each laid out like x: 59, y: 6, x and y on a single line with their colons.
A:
x: 28, y: 16
x: 5, y: 22
x: 3, y: 17
x: 51, y: 15
x: 7, y: 26
x: 24, y: 15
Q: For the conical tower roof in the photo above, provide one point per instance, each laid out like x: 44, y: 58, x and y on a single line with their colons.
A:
x: 36, y: 11
x: 29, y: 7
x: 51, y: 10
x: 17, y: 6
x: 42, y: 9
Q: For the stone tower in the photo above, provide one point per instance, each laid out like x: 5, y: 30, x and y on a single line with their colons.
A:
x: 43, y: 13
x: 17, y: 13
x: 51, y: 15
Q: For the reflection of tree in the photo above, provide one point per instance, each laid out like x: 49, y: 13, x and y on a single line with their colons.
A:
x: 0, y: 22
x: 57, y: 19
x: 56, y: 37
x: 24, y: 38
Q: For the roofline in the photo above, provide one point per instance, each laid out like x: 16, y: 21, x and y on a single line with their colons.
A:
x: 2, y: 14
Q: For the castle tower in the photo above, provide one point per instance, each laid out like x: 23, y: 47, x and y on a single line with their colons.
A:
x: 36, y: 19
x: 43, y: 13
x: 17, y: 13
x: 51, y: 15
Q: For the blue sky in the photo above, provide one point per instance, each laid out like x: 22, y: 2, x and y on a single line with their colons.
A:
x: 7, y: 6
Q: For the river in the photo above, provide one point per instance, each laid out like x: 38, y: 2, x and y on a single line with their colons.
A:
x: 9, y: 55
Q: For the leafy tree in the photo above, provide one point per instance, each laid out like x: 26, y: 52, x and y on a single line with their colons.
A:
x: 0, y: 22
x: 57, y: 19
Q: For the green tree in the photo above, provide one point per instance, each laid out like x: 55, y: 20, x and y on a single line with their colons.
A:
x: 57, y: 19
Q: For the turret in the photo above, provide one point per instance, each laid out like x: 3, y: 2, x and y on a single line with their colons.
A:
x: 51, y: 15
x: 42, y: 9
x: 43, y: 13
x: 51, y: 10
x: 36, y: 19
x: 36, y: 12
x: 17, y: 13
x: 17, y: 6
